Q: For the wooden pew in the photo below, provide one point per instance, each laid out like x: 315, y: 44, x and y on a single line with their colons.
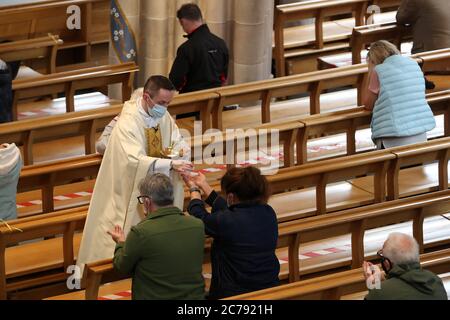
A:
x: 32, y: 20
x: 297, y: 132
x: 362, y: 37
x: 36, y: 48
x: 46, y: 177
x: 86, y: 123
x: 292, y: 234
x: 27, y: 132
x: 330, y: 171
x: 334, y: 286
x: 338, y: 35
x: 45, y: 262
x: 374, y: 165
x: 211, y: 102
x: 418, y: 154
x: 313, y: 84
x: 316, y: 174
x: 71, y: 81
x: 365, y: 35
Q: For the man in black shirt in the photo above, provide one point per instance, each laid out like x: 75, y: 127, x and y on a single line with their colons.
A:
x: 202, y: 61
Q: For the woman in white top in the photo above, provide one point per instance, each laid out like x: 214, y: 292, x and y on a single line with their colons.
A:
x: 10, y: 165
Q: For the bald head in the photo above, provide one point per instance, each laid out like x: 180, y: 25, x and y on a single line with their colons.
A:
x: 401, y: 248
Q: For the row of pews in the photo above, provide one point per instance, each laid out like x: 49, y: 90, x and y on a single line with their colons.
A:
x: 347, y: 194
x: 336, y: 27
x: 289, y: 185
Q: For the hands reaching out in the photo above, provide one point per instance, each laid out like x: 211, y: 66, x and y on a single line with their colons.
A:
x: 117, y: 234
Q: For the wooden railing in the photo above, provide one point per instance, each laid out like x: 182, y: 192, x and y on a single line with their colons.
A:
x: 70, y: 81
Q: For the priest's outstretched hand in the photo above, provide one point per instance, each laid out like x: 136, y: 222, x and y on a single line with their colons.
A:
x: 182, y: 165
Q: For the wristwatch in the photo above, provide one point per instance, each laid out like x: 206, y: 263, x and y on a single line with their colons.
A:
x: 194, y: 189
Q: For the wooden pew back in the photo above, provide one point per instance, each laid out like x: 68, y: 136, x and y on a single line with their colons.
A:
x: 334, y: 286
x: 364, y: 35
x: 64, y: 223
x: 292, y: 234
x: 36, y: 48
x: 70, y: 81
x: 313, y: 84
x: 26, y: 21
x: 320, y: 11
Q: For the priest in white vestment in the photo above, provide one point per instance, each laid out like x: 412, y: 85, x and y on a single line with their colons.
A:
x: 145, y: 140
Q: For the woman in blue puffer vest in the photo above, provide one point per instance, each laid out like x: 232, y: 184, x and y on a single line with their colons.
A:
x: 396, y: 95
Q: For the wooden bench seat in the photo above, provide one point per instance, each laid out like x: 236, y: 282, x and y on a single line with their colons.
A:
x: 324, y: 36
x: 46, y: 176
x: 33, y: 268
x: 121, y: 290
x: 362, y: 37
x: 65, y: 196
x: 336, y: 285
x: 22, y: 259
x: 51, y: 107
x: 211, y: 102
x: 29, y: 132
x: 21, y: 21
x: 84, y: 123
x: 42, y: 48
x: 320, y: 228
x: 412, y: 181
x: 329, y: 234
x: 71, y: 81
x: 311, y: 84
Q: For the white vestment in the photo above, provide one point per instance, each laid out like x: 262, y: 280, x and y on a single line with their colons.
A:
x: 125, y: 163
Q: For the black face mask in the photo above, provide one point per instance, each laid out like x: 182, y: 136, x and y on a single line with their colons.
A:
x: 383, y: 260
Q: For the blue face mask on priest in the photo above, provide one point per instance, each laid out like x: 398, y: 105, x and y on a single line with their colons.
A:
x: 155, y: 109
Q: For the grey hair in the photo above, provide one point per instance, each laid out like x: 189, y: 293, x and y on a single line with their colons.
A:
x: 158, y: 187
x: 3, y: 65
x: 401, y: 248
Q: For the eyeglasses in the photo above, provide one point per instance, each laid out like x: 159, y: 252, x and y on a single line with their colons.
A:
x: 141, y: 199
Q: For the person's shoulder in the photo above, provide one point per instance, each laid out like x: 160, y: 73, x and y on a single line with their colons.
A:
x: 193, y: 221
x: 218, y: 39
x: 185, y: 46
x: 387, y: 289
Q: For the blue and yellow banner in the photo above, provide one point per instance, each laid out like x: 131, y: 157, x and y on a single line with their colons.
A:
x: 122, y: 35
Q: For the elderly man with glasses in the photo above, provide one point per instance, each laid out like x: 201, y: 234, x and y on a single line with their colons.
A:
x: 163, y: 253
x: 403, y: 277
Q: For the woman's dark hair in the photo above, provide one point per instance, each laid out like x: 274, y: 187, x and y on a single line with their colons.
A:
x: 248, y: 184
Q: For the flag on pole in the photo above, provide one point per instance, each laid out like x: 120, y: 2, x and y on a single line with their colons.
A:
x: 122, y: 35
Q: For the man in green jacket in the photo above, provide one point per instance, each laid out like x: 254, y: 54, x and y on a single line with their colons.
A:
x: 404, y: 279
x: 164, y: 252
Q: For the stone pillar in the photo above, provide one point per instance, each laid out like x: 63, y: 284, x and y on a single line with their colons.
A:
x: 252, y: 39
x: 246, y: 26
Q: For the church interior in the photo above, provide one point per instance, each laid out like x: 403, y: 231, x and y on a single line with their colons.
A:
x: 296, y: 82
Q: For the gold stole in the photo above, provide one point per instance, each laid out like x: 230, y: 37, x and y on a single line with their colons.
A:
x: 154, y: 142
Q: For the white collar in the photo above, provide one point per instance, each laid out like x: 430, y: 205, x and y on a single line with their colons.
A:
x: 149, y: 121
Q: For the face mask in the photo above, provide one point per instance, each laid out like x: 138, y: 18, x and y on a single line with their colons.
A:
x: 157, y: 111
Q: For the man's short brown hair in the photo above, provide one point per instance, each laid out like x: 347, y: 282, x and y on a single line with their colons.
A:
x: 155, y: 83
x: 189, y: 11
